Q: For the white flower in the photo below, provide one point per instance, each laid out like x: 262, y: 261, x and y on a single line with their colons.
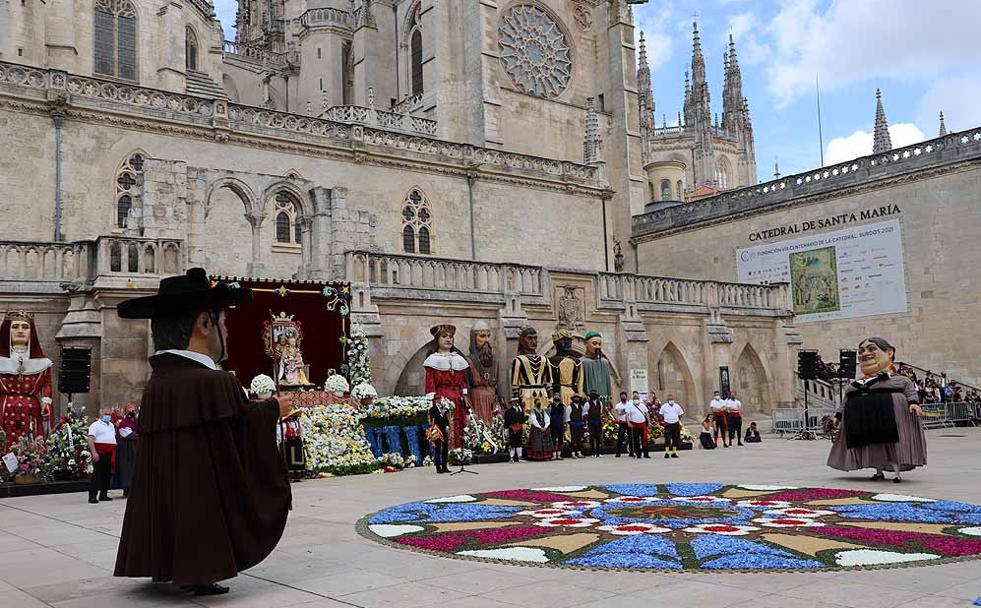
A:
x: 723, y: 529
x: 561, y: 489
x: 262, y: 384
x: 870, y: 557
x: 518, y: 554
x: 393, y: 530
x: 364, y: 390
x: 798, y: 512
x: 700, y: 499
x: 634, y: 528
x: 566, y: 522
x: 452, y: 499
x: 972, y: 531
x: 788, y: 522
x: 549, y: 513
x: 577, y: 505
x: 900, y: 498
x: 632, y: 499
x: 336, y: 384
x: 762, y: 502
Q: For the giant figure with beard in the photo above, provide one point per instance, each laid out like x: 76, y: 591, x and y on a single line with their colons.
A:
x: 483, y: 373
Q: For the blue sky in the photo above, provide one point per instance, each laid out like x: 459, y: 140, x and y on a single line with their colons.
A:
x: 924, y: 55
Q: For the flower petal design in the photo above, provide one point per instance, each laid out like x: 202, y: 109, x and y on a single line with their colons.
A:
x: 900, y: 498
x: 701, y: 499
x: 560, y: 489
x: 549, y: 513
x: 763, y: 503
x: 723, y: 529
x: 632, y: 499
x: 393, y: 530
x: 566, y: 522
x: 799, y: 512
x: 577, y: 505
x: 518, y: 554
x: 873, y: 557
x: 765, y: 488
x: 972, y: 531
x: 451, y: 499
x: 788, y: 522
x: 630, y: 529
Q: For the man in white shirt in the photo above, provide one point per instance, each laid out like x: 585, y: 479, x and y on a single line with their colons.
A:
x: 636, y: 422
x: 672, y: 413
x: 623, y: 430
x: 734, y: 418
x: 102, y: 445
x: 721, y: 423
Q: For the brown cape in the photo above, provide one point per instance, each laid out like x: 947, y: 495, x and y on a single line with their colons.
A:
x: 210, y: 494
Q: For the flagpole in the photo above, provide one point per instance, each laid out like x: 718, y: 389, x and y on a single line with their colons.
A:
x: 817, y: 88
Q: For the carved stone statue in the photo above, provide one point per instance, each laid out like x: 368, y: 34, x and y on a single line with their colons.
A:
x: 483, y: 373
x: 566, y: 368
x: 531, y: 373
x: 25, y: 381
x: 596, y: 369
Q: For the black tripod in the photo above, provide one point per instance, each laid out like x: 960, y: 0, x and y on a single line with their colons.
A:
x: 463, y: 469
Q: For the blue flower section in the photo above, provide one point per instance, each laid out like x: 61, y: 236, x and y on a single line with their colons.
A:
x: 900, y: 512
x: 435, y: 513
x: 693, y: 489
x: 639, y: 551
x: 715, y: 544
x: 951, y: 505
x: 759, y: 562
x: 740, y: 515
x: 632, y: 489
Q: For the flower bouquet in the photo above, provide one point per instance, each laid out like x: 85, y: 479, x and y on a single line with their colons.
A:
x: 68, y: 454
x: 335, y: 442
x: 460, y: 456
x: 358, y: 356
x: 392, y: 462
x: 363, y: 391
x: 397, y: 411
x: 32, y: 457
x: 336, y: 384
x: 262, y: 385
x: 427, y: 461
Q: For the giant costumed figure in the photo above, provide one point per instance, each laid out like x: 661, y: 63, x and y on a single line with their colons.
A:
x: 446, y: 376
x: 531, y: 373
x: 567, y: 369
x: 483, y: 373
x: 596, y: 369
x: 25, y: 381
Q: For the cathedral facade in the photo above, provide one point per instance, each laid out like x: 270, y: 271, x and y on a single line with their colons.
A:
x: 454, y: 161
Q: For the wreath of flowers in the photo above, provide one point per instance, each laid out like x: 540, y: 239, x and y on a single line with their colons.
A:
x: 687, y: 526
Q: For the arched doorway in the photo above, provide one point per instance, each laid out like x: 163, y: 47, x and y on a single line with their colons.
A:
x: 749, y: 382
x: 225, y: 212
x: 673, y: 377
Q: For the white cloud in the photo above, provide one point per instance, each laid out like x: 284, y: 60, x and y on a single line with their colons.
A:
x: 745, y: 29
x: 957, y: 97
x: 657, y: 28
x: 860, y: 142
x: 846, y: 42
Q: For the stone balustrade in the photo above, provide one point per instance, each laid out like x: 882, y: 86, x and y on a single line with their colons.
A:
x: 205, y: 6
x: 386, y: 120
x: 88, y: 261
x: 686, y: 292
x: 274, y: 61
x: 327, y: 17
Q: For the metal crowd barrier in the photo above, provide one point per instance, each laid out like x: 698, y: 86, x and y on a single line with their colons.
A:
x: 791, y: 419
x: 944, y: 415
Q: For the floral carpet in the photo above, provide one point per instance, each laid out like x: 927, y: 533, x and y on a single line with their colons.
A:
x: 686, y: 526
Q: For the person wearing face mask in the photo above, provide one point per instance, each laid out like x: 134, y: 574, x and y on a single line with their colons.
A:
x: 880, y: 419
x: 127, y: 434
x: 623, y: 427
x: 637, y: 421
x: 672, y: 413
x: 557, y: 420
x: 102, y: 445
x: 210, y: 494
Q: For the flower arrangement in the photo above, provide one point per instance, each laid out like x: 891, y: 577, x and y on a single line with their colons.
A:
x: 363, y: 391
x: 336, y: 384
x: 393, y: 460
x: 32, y: 457
x: 427, y: 461
x: 399, y: 411
x: 68, y: 454
x: 479, y: 437
x: 262, y: 384
x: 460, y: 456
x: 334, y: 440
x: 358, y: 355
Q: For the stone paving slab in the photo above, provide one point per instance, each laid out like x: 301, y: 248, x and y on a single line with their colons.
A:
x: 57, y: 550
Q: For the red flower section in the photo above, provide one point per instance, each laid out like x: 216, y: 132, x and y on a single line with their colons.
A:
x: 937, y: 543
x: 529, y: 495
x: 814, y: 494
x: 720, y: 528
x: 953, y: 546
x: 451, y: 541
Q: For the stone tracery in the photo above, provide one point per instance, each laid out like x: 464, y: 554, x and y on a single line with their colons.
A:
x: 535, y: 51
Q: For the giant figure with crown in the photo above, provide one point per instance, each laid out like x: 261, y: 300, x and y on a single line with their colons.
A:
x: 25, y: 380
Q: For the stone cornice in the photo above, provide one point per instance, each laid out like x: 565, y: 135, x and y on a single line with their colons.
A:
x: 947, y: 154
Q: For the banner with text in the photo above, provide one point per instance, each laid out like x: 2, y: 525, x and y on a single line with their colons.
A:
x: 855, y: 272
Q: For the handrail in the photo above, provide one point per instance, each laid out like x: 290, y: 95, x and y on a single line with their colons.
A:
x: 929, y: 372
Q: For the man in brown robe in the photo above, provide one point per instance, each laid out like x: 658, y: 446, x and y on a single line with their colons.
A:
x: 210, y: 494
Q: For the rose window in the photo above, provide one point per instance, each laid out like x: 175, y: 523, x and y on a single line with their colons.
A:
x: 535, y: 51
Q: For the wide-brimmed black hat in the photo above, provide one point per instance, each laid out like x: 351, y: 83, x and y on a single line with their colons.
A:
x: 181, y: 294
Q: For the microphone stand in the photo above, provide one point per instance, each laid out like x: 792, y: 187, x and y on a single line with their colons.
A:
x: 463, y: 468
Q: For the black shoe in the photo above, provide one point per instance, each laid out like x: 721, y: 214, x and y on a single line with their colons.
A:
x: 674, y: 455
x: 93, y: 500
x: 877, y: 477
x: 618, y: 455
x: 210, y: 589
x: 647, y: 455
x: 740, y: 444
x: 897, y: 480
x: 666, y: 455
x: 105, y: 498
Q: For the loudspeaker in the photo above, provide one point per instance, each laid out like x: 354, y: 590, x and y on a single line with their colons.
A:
x: 76, y: 370
x: 807, y: 364
x: 847, y: 358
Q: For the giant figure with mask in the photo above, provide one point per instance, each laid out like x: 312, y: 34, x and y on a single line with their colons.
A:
x: 531, y: 373
x: 596, y: 368
x: 566, y: 367
x: 25, y: 381
x: 446, y: 376
x: 483, y: 373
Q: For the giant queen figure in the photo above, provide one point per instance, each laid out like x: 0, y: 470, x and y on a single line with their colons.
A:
x: 531, y: 373
x: 25, y: 380
x: 446, y: 376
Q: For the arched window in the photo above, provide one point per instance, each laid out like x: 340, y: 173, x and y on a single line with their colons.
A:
x: 415, y: 53
x: 681, y: 190
x: 665, y: 190
x: 347, y: 73
x: 191, y: 49
x: 722, y: 174
x: 128, y: 186
x: 115, y: 39
x: 287, y: 218
x: 417, y: 223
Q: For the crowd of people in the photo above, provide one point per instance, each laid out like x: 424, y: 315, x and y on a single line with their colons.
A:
x: 937, y: 388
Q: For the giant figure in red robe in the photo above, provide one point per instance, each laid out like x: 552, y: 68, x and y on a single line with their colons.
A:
x: 25, y: 381
x: 446, y: 376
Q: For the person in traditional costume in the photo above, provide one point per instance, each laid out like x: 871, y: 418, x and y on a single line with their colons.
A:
x: 566, y: 368
x: 718, y: 411
x: 210, y: 495
x: 636, y: 413
x: 556, y: 415
x: 594, y: 422
x: 438, y: 435
x: 705, y: 437
x: 753, y: 434
x: 127, y: 435
x: 446, y: 377
x: 623, y: 427
x: 672, y: 413
x: 531, y: 373
x: 734, y: 418
x: 596, y: 368
x: 514, y: 420
x: 25, y: 381
x: 484, y: 374
x: 540, y: 445
x: 880, y: 420
x: 102, y: 445
x: 577, y: 425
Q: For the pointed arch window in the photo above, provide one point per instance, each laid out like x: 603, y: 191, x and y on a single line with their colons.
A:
x: 191, y: 49
x: 722, y: 174
x: 114, y: 25
x: 415, y: 53
x: 417, y: 223
x: 665, y: 190
x: 287, y: 218
x: 128, y: 187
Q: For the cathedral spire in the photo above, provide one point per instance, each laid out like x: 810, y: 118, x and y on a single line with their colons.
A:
x: 697, y: 61
x: 732, y: 92
x: 943, y: 127
x: 645, y: 88
x: 880, y: 140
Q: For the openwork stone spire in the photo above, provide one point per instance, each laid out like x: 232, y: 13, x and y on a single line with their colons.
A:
x: 943, y: 127
x: 591, y: 141
x: 645, y: 88
x: 881, y: 141
x: 732, y: 91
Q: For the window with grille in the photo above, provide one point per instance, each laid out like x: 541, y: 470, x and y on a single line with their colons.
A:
x: 287, y: 219
x: 417, y: 223
x: 128, y: 186
x: 114, y: 24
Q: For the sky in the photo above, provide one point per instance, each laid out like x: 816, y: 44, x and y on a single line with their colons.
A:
x: 925, y: 56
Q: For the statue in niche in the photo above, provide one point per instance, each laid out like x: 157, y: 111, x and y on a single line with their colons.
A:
x: 284, y: 340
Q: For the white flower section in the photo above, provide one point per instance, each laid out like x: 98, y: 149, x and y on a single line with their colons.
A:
x: 336, y: 384
x: 788, y: 522
x: 547, y: 513
x: 799, y: 512
x: 561, y: 489
x: 972, y: 531
x: 576, y: 505
x: 762, y: 503
x: 700, y: 499
x: 393, y: 530
x: 765, y: 488
x: 900, y: 498
x: 450, y: 499
x: 634, y: 528
x: 723, y: 529
x: 871, y: 557
x: 567, y: 522
x: 632, y: 499
x: 262, y: 384
x: 518, y: 554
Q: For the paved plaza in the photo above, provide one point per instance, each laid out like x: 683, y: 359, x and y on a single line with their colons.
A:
x: 59, y: 550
